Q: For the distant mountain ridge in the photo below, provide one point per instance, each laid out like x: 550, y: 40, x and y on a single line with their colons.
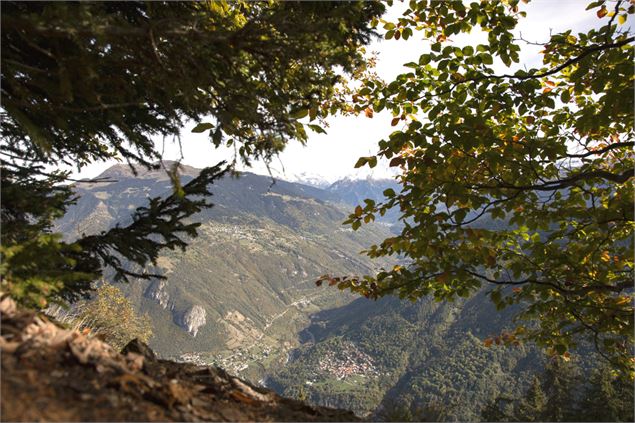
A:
x: 149, y: 183
x: 305, y: 178
x: 354, y: 191
x: 125, y: 171
x: 325, y: 181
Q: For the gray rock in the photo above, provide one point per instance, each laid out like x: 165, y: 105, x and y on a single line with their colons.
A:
x: 193, y: 319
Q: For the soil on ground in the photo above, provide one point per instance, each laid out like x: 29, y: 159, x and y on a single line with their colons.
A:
x: 54, y: 374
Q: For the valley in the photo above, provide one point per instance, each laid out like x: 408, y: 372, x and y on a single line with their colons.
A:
x: 244, y: 288
x: 243, y: 297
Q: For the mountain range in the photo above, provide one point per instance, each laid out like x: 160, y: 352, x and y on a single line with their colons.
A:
x: 245, y: 287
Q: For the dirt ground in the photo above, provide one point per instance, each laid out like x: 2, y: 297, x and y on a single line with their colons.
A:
x: 54, y: 374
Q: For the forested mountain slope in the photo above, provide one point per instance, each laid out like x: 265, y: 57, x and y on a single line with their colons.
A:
x: 391, y: 356
x: 397, y: 360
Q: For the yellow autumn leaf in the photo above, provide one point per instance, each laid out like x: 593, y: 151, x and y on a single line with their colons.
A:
x: 623, y: 300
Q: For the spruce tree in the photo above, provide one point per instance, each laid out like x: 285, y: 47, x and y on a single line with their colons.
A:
x: 560, y: 383
x: 607, y: 398
x: 532, y: 407
x: 90, y: 81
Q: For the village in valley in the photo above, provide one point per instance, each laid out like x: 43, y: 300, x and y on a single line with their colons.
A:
x: 349, y: 361
x: 345, y: 362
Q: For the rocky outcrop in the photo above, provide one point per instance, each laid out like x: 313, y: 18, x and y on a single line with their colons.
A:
x: 54, y: 374
x: 193, y: 319
x: 157, y: 291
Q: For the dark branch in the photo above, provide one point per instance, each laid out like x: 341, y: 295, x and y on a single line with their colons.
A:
x: 564, y: 183
x: 552, y: 71
x: 614, y: 146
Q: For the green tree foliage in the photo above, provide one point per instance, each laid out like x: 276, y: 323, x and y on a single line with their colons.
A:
x: 532, y: 406
x: 83, y: 82
x: 111, y: 315
x: 498, y: 410
x: 395, y: 412
x: 35, y: 263
x: 608, y: 398
x: 561, y: 394
x: 520, y: 179
x: 561, y: 379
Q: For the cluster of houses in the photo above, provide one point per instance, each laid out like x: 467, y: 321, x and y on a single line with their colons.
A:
x: 236, y: 231
x: 194, y: 358
x: 347, y: 361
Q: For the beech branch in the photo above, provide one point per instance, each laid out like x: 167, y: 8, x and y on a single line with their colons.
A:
x: 614, y: 146
x: 619, y: 178
x: 552, y: 71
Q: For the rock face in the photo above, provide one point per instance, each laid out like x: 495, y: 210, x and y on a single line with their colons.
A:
x: 66, y: 375
x: 157, y: 291
x: 193, y: 319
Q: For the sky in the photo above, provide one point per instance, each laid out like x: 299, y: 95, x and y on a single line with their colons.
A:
x: 332, y: 156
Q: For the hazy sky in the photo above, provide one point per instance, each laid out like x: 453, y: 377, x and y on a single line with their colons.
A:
x: 332, y: 155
